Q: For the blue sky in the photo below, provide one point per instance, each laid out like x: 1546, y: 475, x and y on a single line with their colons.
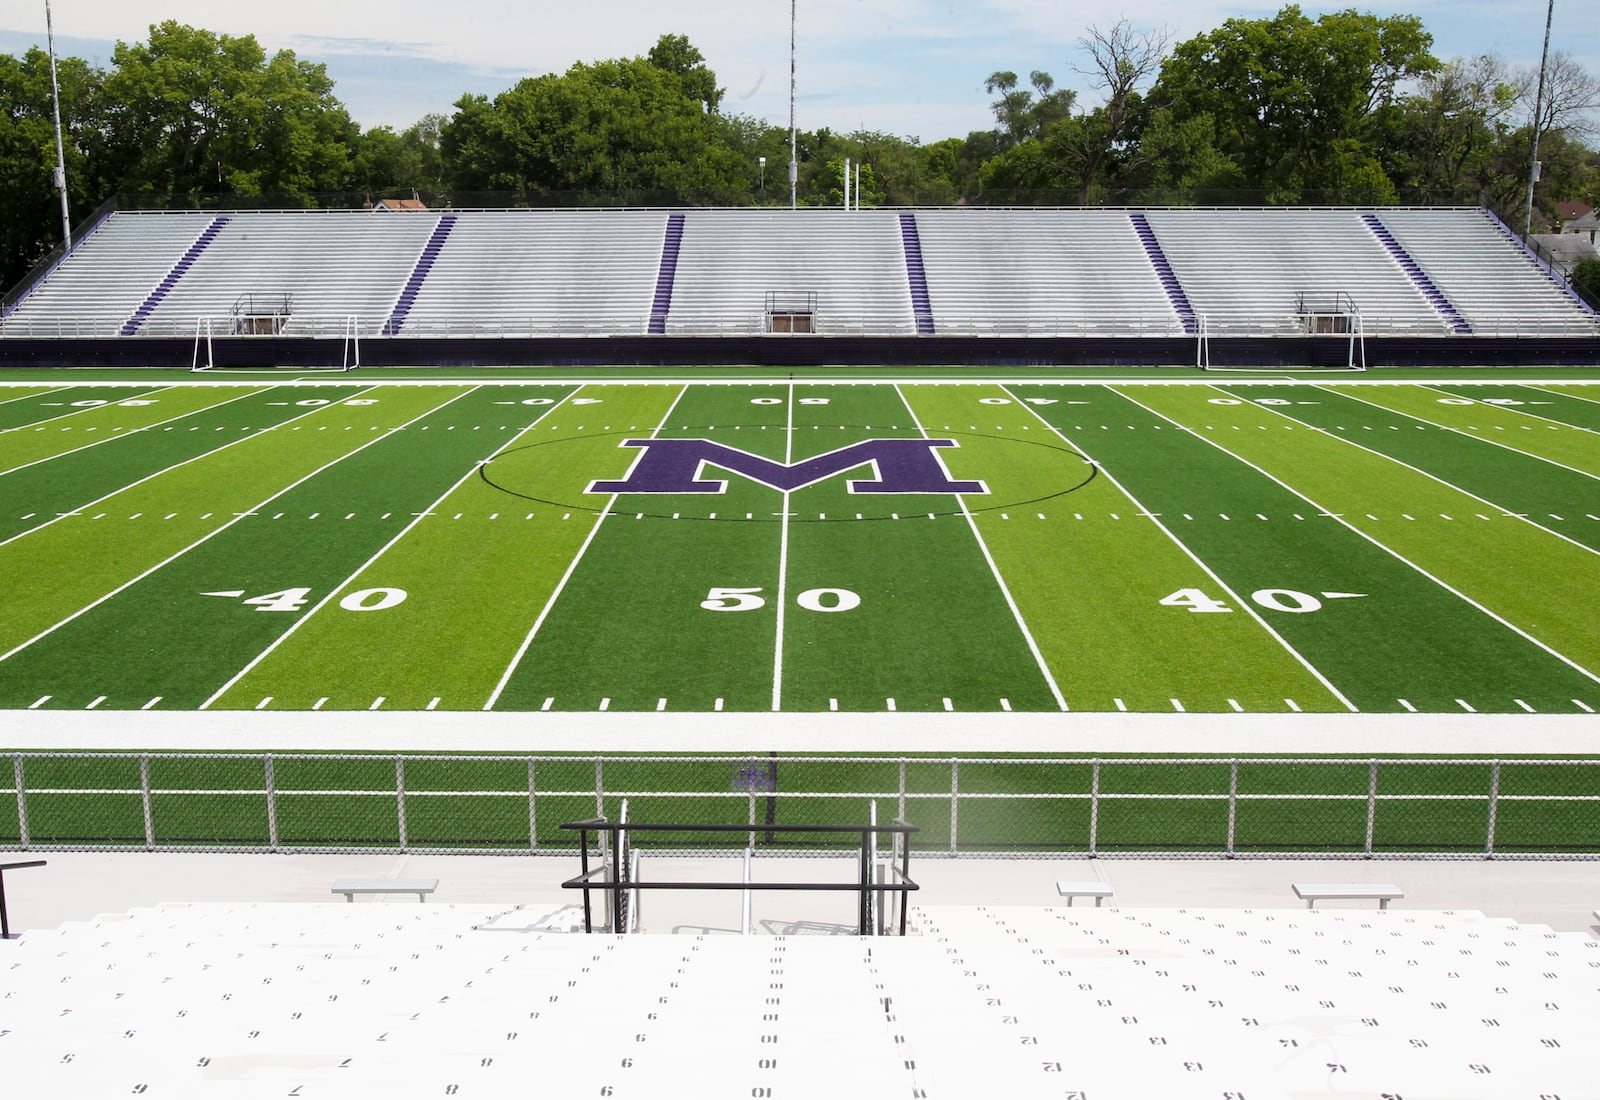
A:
x: 908, y: 67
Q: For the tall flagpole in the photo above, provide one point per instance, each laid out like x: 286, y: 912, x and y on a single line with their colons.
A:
x: 1538, y: 118
x: 55, y: 108
x: 794, y: 164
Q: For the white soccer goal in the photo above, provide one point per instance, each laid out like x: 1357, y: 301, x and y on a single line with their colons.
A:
x: 349, y: 341
x: 1288, y: 329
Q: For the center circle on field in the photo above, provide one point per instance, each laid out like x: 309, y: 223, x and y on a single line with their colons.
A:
x: 1078, y: 472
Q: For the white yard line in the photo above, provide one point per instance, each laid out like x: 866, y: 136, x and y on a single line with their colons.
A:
x: 1476, y: 438
x: 1241, y: 603
x: 203, y: 538
x: 176, y: 466
x: 994, y: 569
x: 338, y: 588
x: 572, y: 567
x: 783, y: 560
x: 123, y: 435
x: 1386, y: 549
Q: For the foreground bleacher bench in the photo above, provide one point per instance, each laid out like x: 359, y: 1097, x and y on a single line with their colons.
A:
x: 350, y: 887
x: 1091, y: 888
x: 1313, y: 892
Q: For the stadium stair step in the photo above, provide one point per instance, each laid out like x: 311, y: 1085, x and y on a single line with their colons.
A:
x: 181, y: 268
x: 1164, y: 272
x: 916, y: 274
x: 666, y: 274
x: 1458, y: 324
x: 419, y: 274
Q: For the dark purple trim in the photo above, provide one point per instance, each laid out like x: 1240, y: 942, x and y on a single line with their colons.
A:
x: 666, y: 275
x: 916, y: 274
x: 1164, y: 272
x: 179, y: 270
x: 1555, y: 276
x: 1419, y: 278
x: 408, y: 294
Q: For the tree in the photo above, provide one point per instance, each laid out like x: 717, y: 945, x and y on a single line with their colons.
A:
x: 1442, y: 138
x: 1587, y: 276
x: 32, y: 224
x: 1119, y: 61
x: 608, y: 126
x: 192, y: 112
x: 1296, y: 103
x: 1018, y: 114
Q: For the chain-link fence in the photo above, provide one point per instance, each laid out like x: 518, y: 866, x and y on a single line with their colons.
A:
x: 964, y: 806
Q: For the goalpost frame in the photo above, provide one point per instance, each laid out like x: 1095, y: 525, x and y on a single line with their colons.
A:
x: 1355, y: 349
x: 349, y: 358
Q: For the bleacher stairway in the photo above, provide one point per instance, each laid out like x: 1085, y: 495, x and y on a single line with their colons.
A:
x: 408, y: 1000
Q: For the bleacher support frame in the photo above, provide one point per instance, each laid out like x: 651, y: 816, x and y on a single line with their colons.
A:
x: 618, y: 871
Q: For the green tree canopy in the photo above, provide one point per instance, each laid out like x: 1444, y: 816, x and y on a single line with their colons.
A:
x: 191, y: 111
x: 1294, y: 101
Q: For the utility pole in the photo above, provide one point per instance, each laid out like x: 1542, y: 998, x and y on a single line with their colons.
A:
x: 55, y: 108
x: 1538, y: 117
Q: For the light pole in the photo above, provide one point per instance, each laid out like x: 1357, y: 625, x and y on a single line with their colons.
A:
x: 763, y: 161
x: 1538, y: 113
x: 794, y: 166
x: 55, y: 107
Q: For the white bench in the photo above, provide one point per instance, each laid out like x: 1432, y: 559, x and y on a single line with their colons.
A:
x: 1099, y: 891
x: 1313, y: 892
x: 350, y: 887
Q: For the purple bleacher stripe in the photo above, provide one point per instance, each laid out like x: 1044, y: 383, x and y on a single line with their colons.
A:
x: 408, y: 294
x: 1419, y: 278
x: 666, y: 275
x: 1169, y: 279
x: 916, y: 274
x: 179, y: 269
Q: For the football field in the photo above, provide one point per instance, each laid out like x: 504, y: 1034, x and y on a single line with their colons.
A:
x: 1187, y: 546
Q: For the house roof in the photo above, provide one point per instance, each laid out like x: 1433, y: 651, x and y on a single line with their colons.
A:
x: 1572, y: 208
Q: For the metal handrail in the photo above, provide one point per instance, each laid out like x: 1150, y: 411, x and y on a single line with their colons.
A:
x: 5, y: 923
x: 621, y: 884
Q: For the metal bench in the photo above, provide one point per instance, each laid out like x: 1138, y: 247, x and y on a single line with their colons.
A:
x: 1313, y: 892
x: 1099, y: 891
x: 350, y: 887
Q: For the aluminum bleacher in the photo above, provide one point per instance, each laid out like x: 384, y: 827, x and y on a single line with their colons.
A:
x: 94, y: 291
x: 542, y: 272
x: 1245, y: 271
x: 1495, y: 284
x: 731, y: 260
x: 1041, y: 273
x: 488, y: 1000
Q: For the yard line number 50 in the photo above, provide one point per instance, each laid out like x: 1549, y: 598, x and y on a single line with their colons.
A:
x: 812, y: 599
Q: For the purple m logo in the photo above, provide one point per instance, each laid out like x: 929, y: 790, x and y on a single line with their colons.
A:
x: 898, y: 465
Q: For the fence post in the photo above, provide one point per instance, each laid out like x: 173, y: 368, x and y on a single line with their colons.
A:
x: 533, y: 813
x: 1094, y: 811
x: 599, y: 789
x: 272, y: 801
x: 1494, y: 807
x: 1372, y: 804
x: 955, y: 798
x: 22, y: 799
x: 1233, y: 803
x: 901, y: 814
x: 144, y: 799
x: 400, y: 798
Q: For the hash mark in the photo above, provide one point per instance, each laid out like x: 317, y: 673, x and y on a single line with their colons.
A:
x: 1524, y: 706
x: 833, y: 704
x: 1407, y: 704
x: 717, y: 705
x: 98, y: 699
x: 376, y: 703
x: 433, y: 704
x: 547, y: 703
x: 891, y: 704
x: 1120, y: 705
x: 1234, y: 703
x: 318, y: 704
x: 605, y: 704
x: 661, y: 704
x: 43, y: 699
x: 947, y: 704
x: 151, y: 704
x: 1292, y: 705
x: 1176, y: 705
x: 1466, y: 706
x: 1005, y: 704
x: 264, y: 701
x: 1579, y: 703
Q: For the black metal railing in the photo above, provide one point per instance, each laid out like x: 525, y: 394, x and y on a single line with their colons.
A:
x: 618, y: 845
x: 5, y: 922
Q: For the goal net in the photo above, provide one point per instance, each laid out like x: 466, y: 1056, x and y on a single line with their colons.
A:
x: 228, y: 346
